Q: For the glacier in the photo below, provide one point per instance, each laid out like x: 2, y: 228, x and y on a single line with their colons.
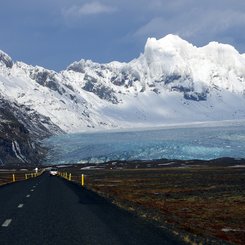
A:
x: 201, y: 141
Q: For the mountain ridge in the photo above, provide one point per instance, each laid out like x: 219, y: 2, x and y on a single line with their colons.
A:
x: 169, y: 67
x: 171, y: 82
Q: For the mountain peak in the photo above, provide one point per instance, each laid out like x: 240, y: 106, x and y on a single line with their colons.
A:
x: 166, y: 48
x: 168, y: 42
x: 173, y: 38
x: 5, y: 59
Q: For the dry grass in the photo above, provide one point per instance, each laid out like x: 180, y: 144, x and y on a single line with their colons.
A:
x: 6, y: 176
x: 201, y: 201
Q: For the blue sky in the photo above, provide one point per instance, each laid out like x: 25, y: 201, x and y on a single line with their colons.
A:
x: 54, y: 33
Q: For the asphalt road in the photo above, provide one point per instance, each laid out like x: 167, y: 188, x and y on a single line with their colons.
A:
x: 49, y: 210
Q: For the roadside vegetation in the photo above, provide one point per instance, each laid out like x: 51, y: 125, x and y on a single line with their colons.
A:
x: 195, y: 202
x: 10, y: 175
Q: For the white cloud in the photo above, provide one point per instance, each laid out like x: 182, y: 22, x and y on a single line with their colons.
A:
x: 92, y: 8
x: 196, y: 25
x: 153, y: 28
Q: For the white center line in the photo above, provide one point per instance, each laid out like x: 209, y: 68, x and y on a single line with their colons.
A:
x: 20, y: 205
x: 6, y: 223
x: 28, y: 195
x: 32, y: 190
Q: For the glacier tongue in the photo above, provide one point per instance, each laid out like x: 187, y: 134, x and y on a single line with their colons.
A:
x: 171, y: 82
x: 206, y: 141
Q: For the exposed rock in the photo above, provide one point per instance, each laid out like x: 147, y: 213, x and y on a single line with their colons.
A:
x: 6, y: 60
x: 20, y: 135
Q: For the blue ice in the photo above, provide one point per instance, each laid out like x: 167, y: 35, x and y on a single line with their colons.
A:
x: 202, y: 143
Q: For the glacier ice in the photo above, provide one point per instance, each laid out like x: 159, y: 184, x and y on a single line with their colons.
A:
x: 205, y: 142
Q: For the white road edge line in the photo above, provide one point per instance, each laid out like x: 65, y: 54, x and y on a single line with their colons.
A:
x: 28, y: 195
x: 20, y: 205
x: 6, y: 223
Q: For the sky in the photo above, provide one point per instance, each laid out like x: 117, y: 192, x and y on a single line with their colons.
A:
x: 55, y: 33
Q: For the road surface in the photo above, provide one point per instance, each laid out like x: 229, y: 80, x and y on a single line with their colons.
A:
x: 50, y: 210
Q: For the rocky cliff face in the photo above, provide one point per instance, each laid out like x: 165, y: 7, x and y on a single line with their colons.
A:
x: 20, y: 135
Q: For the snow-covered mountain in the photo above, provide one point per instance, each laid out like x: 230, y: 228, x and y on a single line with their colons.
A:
x: 171, y: 82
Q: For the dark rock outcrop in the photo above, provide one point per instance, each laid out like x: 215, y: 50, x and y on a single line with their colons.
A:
x: 6, y: 60
x: 20, y: 133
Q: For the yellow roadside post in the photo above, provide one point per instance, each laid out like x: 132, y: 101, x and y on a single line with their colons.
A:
x: 82, y: 180
x: 25, y: 176
x: 70, y: 176
x: 13, y: 178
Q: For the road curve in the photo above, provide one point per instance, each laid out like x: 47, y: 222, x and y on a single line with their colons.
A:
x: 49, y: 210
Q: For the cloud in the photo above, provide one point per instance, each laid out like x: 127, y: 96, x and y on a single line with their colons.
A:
x: 197, y: 25
x: 216, y: 22
x: 112, y: 29
x: 154, y: 27
x: 93, y: 8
